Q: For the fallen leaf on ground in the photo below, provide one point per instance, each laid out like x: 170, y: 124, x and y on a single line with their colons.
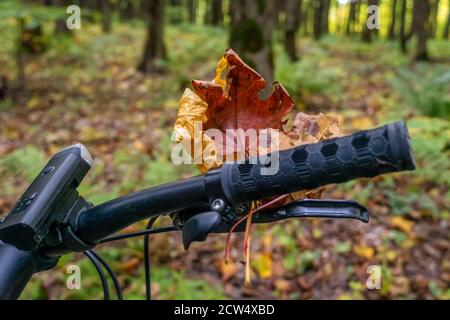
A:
x: 364, y: 251
x: 262, y: 263
x: 402, y: 224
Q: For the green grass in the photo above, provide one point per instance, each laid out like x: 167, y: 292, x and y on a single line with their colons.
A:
x: 166, y: 283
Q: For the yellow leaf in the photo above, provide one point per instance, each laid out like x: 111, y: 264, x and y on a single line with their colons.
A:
x: 267, y: 242
x: 262, y: 263
x: 391, y: 255
x: 191, y: 112
x: 222, y: 67
x: 317, y: 233
x: 364, y: 251
x: 191, y: 108
x: 88, y: 133
x: 33, y: 102
x: 362, y: 123
x: 408, y: 243
x: 402, y: 224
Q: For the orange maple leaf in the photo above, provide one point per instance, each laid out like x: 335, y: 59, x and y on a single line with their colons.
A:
x: 235, y: 103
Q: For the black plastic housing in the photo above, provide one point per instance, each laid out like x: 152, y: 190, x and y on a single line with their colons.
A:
x: 52, y: 192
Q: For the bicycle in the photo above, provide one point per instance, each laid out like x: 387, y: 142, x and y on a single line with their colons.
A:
x: 51, y: 219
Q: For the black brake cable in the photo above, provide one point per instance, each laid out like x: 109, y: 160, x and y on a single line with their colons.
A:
x: 138, y: 234
x: 148, y: 286
x: 101, y: 274
x: 97, y: 260
x: 111, y: 274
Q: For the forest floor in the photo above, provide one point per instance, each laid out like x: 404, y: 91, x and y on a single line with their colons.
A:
x: 85, y: 89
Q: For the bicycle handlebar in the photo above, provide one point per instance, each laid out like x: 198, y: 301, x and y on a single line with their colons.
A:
x: 16, y: 269
x: 362, y: 154
x: 103, y: 220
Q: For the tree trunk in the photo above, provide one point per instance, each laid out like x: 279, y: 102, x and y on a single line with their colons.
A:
x: 367, y: 32
x: 321, y: 11
x: 251, y: 34
x: 20, y: 58
x: 434, y: 18
x: 351, y: 18
x: 192, y: 11
x: 278, y: 13
x: 177, y: 13
x: 87, y: 4
x: 304, y: 21
x: 126, y: 9
x: 446, y: 33
x: 357, y: 14
x: 338, y: 19
x: 60, y: 23
x: 3, y: 87
x: 143, y: 9
x: 293, y: 9
x: 216, y: 12
x: 422, y: 12
x: 403, y: 36
x: 319, y: 8
x: 154, y: 47
x: 391, y: 34
x: 325, y: 14
x: 106, y: 15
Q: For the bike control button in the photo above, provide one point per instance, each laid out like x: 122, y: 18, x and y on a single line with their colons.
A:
x: 48, y: 169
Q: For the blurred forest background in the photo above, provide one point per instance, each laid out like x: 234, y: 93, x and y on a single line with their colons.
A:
x: 114, y: 85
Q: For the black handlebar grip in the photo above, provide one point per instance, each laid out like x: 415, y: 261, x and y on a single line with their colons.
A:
x: 362, y: 154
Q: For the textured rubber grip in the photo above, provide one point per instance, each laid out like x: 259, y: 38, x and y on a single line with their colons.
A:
x: 362, y: 154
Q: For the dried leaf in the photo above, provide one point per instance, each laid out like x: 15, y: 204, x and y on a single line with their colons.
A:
x: 234, y: 103
x: 282, y: 285
x: 364, y: 251
x: 402, y: 224
x: 311, y: 129
x: 262, y: 263
x: 231, y: 101
x: 130, y: 265
x: 227, y: 270
x: 193, y: 110
x: 139, y: 145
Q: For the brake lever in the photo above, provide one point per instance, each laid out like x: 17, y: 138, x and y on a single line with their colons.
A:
x: 307, y: 208
x: 196, y: 227
x: 315, y: 208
